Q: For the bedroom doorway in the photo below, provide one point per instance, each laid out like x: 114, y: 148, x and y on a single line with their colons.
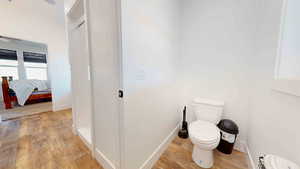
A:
x: 25, y: 83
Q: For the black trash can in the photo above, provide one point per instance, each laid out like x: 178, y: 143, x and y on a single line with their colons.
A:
x: 229, y: 132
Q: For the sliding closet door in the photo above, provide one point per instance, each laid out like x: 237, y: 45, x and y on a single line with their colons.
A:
x: 104, y: 42
x: 81, y: 81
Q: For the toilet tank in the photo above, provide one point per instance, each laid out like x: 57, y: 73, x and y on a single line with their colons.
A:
x: 208, y: 110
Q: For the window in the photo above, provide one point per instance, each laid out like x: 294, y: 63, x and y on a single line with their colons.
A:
x: 8, y: 63
x: 36, y: 70
x: 288, y: 60
x: 287, y: 72
x: 35, y: 65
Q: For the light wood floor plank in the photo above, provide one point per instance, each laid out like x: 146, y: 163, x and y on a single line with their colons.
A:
x: 46, y: 141
x: 43, y: 141
x: 179, y: 156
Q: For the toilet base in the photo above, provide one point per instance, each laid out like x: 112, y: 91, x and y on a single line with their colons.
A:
x: 204, y: 158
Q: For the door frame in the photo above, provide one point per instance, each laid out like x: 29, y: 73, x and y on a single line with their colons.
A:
x: 119, y: 115
x: 87, y: 35
x: 71, y: 27
x: 120, y: 150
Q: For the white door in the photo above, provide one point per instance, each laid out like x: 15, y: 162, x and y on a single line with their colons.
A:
x: 104, y: 40
x: 80, y: 65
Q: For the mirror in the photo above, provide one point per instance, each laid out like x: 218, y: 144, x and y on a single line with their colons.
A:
x: 287, y: 72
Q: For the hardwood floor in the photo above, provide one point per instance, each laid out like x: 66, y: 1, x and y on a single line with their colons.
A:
x: 179, y: 156
x: 27, y: 110
x: 46, y: 141
x: 43, y: 141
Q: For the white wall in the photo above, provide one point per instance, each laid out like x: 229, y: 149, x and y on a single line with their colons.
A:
x: 224, y: 56
x: 217, y: 45
x: 274, y: 117
x: 229, y: 53
x: 150, y: 70
x: 38, y: 21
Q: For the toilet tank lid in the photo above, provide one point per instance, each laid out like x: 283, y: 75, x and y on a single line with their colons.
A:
x: 208, y: 102
x: 275, y: 162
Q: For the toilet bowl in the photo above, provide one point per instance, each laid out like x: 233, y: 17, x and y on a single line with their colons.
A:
x: 206, y: 137
x: 276, y: 162
x: 204, y: 133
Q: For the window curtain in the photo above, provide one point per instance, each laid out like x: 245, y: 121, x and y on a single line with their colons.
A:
x: 34, y: 57
x: 8, y: 54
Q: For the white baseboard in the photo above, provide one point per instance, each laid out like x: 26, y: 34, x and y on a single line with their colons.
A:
x: 240, y: 145
x: 74, y: 129
x: 89, y: 145
x: 148, y: 164
x: 251, y: 163
x: 103, y: 160
x: 77, y: 133
x: 61, y: 107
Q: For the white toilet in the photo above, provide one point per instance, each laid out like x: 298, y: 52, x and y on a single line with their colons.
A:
x: 276, y: 162
x: 203, y: 132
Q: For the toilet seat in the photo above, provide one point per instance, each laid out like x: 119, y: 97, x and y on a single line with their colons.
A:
x: 204, y: 133
x: 275, y: 162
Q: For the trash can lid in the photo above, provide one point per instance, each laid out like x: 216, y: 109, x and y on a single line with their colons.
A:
x: 228, y: 126
x: 275, y: 162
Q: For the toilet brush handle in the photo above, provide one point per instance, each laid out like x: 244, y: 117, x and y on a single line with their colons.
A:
x: 184, y: 123
x: 184, y: 113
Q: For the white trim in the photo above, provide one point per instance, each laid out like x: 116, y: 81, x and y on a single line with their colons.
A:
x: 89, y: 145
x: 87, y: 41
x: 121, y: 116
x: 61, y: 107
x: 148, y: 164
x: 282, y: 85
x: 103, y: 160
x: 288, y: 87
x: 280, y: 36
x: 251, y: 163
x: 72, y: 7
x: 240, y: 145
x: 80, y: 21
x: 286, y: 92
x: 74, y: 128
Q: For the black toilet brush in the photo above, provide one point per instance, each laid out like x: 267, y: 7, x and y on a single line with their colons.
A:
x: 183, y: 132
